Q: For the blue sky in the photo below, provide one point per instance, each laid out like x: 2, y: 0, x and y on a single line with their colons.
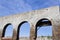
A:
x: 10, y: 7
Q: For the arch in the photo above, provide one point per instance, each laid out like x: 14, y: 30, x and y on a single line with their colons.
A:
x: 19, y: 28
x: 43, y: 21
x: 4, y: 29
x: 40, y: 23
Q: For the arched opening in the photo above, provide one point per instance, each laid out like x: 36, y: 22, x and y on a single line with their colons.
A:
x: 23, y: 31
x: 44, y: 29
x: 7, y: 32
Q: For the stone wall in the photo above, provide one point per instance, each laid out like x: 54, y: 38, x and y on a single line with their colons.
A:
x: 39, y: 38
x: 51, y: 13
x: 26, y: 38
x: 6, y: 38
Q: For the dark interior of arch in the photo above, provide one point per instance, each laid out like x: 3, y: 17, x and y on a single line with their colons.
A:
x: 19, y: 29
x: 43, y: 22
x: 4, y: 29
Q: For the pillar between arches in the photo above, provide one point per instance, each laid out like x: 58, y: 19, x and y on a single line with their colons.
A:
x: 32, y: 33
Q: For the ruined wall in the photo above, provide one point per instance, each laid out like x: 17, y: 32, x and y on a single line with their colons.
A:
x: 39, y: 38
x: 51, y: 13
x: 26, y: 38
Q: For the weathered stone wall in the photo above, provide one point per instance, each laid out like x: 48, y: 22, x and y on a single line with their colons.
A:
x: 6, y: 38
x: 39, y: 38
x: 51, y: 13
x: 26, y: 38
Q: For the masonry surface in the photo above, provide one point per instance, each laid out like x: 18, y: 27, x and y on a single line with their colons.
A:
x: 52, y: 14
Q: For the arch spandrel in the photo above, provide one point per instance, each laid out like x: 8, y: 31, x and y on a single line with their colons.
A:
x: 56, y: 28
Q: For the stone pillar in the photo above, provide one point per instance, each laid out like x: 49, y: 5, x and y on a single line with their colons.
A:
x: 32, y: 33
x: 0, y: 34
x: 14, y: 34
x: 56, y: 30
x: 56, y: 33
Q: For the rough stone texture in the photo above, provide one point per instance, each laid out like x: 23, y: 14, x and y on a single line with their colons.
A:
x: 7, y: 38
x: 38, y: 38
x: 26, y: 38
x: 51, y: 13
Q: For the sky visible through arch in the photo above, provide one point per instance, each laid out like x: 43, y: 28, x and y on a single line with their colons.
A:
x: 10, y: 7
